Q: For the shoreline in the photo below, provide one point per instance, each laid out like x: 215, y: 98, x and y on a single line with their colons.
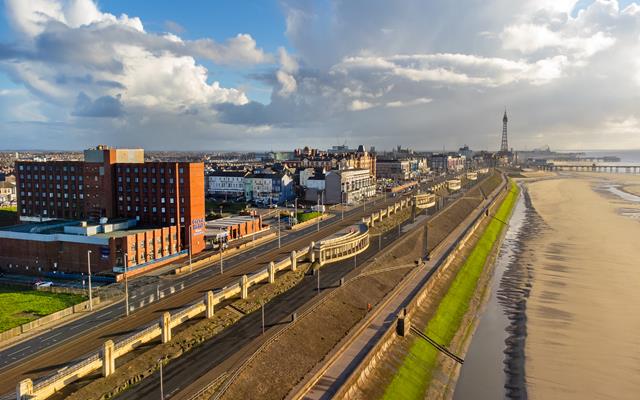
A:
x: 503, y: 290
x: 582, y: 264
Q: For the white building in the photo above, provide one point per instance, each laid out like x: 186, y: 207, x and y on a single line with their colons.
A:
x: 7, y: 192
x: 226, y: 183
x: 349, y: 186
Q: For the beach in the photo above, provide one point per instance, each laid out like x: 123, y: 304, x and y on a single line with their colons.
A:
x: 583, y: 310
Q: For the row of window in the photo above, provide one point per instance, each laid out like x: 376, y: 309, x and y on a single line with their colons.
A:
x: 44, y: 195
x: 144, y: 170
x: 57, y: 177
x: 46, y: 211
x: 146, y: 180
x: 145, y: 189
x: 64, y: 168
x: 163, y: 200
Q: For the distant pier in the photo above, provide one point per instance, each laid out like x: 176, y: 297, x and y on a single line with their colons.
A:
x: 613, y: 168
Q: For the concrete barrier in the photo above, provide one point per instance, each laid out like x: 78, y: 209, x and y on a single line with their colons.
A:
x: 345, y: 244
x: 49, y: 385
x: 227, y: 253
x: 310, y: 222
x: 349, y: 388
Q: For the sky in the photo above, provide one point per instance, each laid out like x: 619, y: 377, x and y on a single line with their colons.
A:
x: 261, y: 75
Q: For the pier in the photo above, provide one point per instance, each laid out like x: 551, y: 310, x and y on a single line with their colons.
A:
x: 613, y: 168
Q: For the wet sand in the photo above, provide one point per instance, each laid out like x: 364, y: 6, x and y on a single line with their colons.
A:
x: 583, y: 309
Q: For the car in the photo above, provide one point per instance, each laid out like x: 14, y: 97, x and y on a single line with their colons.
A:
x: 43, y: 284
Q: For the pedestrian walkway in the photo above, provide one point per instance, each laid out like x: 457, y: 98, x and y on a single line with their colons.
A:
x: 386, y: 314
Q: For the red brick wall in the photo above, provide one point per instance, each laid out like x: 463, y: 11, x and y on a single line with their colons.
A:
x: 52, y: 256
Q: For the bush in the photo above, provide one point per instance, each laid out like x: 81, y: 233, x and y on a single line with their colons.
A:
x: 303, y: 217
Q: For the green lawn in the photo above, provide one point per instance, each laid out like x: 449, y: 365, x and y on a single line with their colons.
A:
x: 414, y: 375
x: 212, y: 206
x: 19, y: 306
x: 303, y: 217
x: 8, y: 215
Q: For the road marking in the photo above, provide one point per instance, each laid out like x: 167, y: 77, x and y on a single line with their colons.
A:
x: 105, y: 314
x: 56, y: 335
x: 15, y: 352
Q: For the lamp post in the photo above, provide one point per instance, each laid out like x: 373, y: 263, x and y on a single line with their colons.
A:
x: 126, y: 284
x: 278, y: 229
x: 295, y: 213
x: 161, y: 383
x: 262, y: 308
x: 221, y: 255
x: 318, y: 220
x: 89, y: 271
x: 190, y: 231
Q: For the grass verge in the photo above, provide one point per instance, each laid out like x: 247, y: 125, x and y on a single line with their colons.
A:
x: 8, y: 215
x: 304, y: 217
x: 19, y: 306
x: 414, y: 375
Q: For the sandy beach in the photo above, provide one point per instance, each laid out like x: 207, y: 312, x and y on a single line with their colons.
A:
x: 583, y: 311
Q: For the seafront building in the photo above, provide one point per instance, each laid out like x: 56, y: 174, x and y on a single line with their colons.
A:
x: 114, y: 204
x: 349, y: 186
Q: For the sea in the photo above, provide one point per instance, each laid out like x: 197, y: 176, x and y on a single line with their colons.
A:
x: 626, y: 156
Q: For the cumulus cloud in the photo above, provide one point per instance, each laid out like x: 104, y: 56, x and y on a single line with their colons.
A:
x: 71, y: 46
x: 285, y: 75
x: 409, y: 73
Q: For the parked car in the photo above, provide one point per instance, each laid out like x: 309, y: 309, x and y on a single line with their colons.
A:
x: 43, y: 284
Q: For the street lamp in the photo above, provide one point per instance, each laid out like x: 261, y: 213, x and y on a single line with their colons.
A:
x: 318, y: 225
x: 221, y: 245
x: 190, y: 230
x: 126, y: 284
x: 89, y: 270
x: 161, y: 383
x: 278, y: 229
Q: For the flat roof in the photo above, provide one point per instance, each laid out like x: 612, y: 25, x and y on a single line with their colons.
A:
x: 230, y: 221
x: 57, y: 226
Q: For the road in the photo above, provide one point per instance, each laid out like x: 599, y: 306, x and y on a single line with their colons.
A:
x: 54, y: 349
x: 218, y: 353
x: 190, y: 366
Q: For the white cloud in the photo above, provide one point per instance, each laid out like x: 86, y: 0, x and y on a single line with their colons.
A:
x: 456, y: 69
x: 71, y: 47
x: 409, y: 103
x: 359, y: 105
x: 285, y: 75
